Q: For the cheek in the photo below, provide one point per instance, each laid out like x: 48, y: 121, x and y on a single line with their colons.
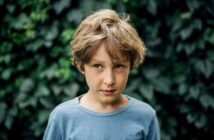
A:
x: 89, y: 77
x: 92, y: 78
x: 122, y: 79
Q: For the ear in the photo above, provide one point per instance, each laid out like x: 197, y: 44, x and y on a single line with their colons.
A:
x: 81, y: 69
x: 82, y: 72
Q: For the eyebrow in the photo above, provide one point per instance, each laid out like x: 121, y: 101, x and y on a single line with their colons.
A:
x: 97, y: 60
x: 113, y: 61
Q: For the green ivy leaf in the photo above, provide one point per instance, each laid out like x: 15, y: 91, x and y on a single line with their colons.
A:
x: 71, y: 90
x: 162, y: 85
x: 182, y: 88
x: 151, y: 74
x: 11, y: 8
x: 210, y: 55
x: 66, y: 35
x: 56, y: 89
x: 207, y: 101
x: 43, y: 116
x: 53, y: 32
x: 3, y: 108
x: 61, y: 5
x: 75, y: 15
x: 27, y: 85
x: 201, y: 122
x: 42, y: 91
x: 186, y: 32
x: 1, y: 2
x: 134, y: 84
x: 20, y: 22
x: 184, y: 109
x: 10, y: 117
x: 186, y: 15
x: 194, y: 91
x: 21, y: 97
x: 6, y: 74
x: 147, y: 91
x: 9, y: 122
x: 35, y: 45
x: 205, y: 67
x: 193, y: 5
x: 209, y: 35
x: 46, y: 103
x: 40, y: 15
x: 152, y: 7
x: 192, y: 117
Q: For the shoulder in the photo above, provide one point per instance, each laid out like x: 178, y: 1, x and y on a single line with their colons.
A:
x: 142, y: 108
x: 64, y: 109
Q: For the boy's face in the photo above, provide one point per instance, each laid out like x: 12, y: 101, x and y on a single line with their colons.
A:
x: 106, y: 78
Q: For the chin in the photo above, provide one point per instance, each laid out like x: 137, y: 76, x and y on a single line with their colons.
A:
x: 110, y: 100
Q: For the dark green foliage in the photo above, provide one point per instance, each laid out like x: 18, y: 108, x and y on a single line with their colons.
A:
x: 176, y: 79
x: 177, y: 76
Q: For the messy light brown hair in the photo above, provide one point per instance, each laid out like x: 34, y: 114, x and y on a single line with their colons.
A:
x: 106, y: 27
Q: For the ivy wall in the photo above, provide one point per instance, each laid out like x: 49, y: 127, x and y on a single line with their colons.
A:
x: 176, y: 79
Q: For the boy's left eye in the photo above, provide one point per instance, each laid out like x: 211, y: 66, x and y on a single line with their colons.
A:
x: 119, y: 66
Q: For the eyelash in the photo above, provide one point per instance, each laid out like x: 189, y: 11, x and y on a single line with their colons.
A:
x: 97, y: 66
x: 116, y: 66
x: 119, y: 66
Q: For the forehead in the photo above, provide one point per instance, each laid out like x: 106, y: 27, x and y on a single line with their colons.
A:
x: 112, y: 53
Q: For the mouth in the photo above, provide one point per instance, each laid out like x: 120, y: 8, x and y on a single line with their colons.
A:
x: 108, y: 92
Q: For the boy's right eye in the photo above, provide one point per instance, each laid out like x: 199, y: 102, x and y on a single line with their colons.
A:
x: 98, y: 66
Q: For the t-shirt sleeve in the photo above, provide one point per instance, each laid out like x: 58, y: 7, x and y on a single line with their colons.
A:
x: 154, y: 130
x: 52, y: 131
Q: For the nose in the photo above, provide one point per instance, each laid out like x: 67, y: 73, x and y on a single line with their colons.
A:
x: 109, y: 78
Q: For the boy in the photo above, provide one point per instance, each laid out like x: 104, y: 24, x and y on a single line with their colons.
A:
x: 105, y: 48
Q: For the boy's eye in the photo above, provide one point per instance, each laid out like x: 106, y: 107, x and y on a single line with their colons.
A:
x: 118, y: 66
x: 98, y: 66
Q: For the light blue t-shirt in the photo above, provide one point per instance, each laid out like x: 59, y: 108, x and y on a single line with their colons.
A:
x: 135, y: 121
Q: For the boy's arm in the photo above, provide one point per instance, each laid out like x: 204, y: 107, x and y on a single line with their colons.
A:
x: 52, y: 131
x: 154, y: 130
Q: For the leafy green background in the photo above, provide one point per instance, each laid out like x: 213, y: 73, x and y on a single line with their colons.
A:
x: 176, y: 79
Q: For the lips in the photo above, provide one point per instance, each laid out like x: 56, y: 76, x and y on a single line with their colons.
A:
x: 108, y: 92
